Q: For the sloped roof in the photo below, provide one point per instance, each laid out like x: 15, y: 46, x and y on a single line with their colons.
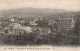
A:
x: 15, y: 24
x: 18, y: 26
x: 42, y: 29
x: 33, y: 23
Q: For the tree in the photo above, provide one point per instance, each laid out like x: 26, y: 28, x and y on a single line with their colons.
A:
x: 42, y: 23
x: 77, y: 26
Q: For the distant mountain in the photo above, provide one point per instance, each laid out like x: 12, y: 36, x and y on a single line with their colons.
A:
x: 48, y: 13
x: 32, y: 12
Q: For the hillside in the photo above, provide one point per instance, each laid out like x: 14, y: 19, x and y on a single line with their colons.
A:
x: 31, y: 11
x: 45, y: 12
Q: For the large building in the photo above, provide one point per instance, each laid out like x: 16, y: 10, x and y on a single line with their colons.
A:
x: 65, y: 23
x: 17, y: 29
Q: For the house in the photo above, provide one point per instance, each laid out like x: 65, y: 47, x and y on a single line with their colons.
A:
x: 22, y: 22
x: 17, y: 29
x: 51, y: 22
x: 41, y: 30
x: 12, y: 20
x: 33, y: 24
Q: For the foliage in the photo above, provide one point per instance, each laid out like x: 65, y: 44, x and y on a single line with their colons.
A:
x: 42, y: 23
x: 42, y: 39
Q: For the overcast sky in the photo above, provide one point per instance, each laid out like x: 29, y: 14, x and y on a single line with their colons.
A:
x: 53, y: 4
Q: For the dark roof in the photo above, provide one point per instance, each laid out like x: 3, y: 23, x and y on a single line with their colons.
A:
x: 42, y: 29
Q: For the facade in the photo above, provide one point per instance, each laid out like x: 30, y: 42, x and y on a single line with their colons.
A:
x: 65, y: 23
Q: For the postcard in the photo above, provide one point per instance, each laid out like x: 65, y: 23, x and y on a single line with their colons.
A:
x: 39, y: 25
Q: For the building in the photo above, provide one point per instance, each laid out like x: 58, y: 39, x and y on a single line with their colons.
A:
x: 8, y: 19
x: 65, y: 23
x: 41, y: 30
x: 17, y: 29
x: 33, y: 23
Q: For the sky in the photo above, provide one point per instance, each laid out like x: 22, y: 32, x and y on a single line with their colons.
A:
x: 73, y: 5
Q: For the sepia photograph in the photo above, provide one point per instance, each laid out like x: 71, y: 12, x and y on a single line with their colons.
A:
x: 40, y: 24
